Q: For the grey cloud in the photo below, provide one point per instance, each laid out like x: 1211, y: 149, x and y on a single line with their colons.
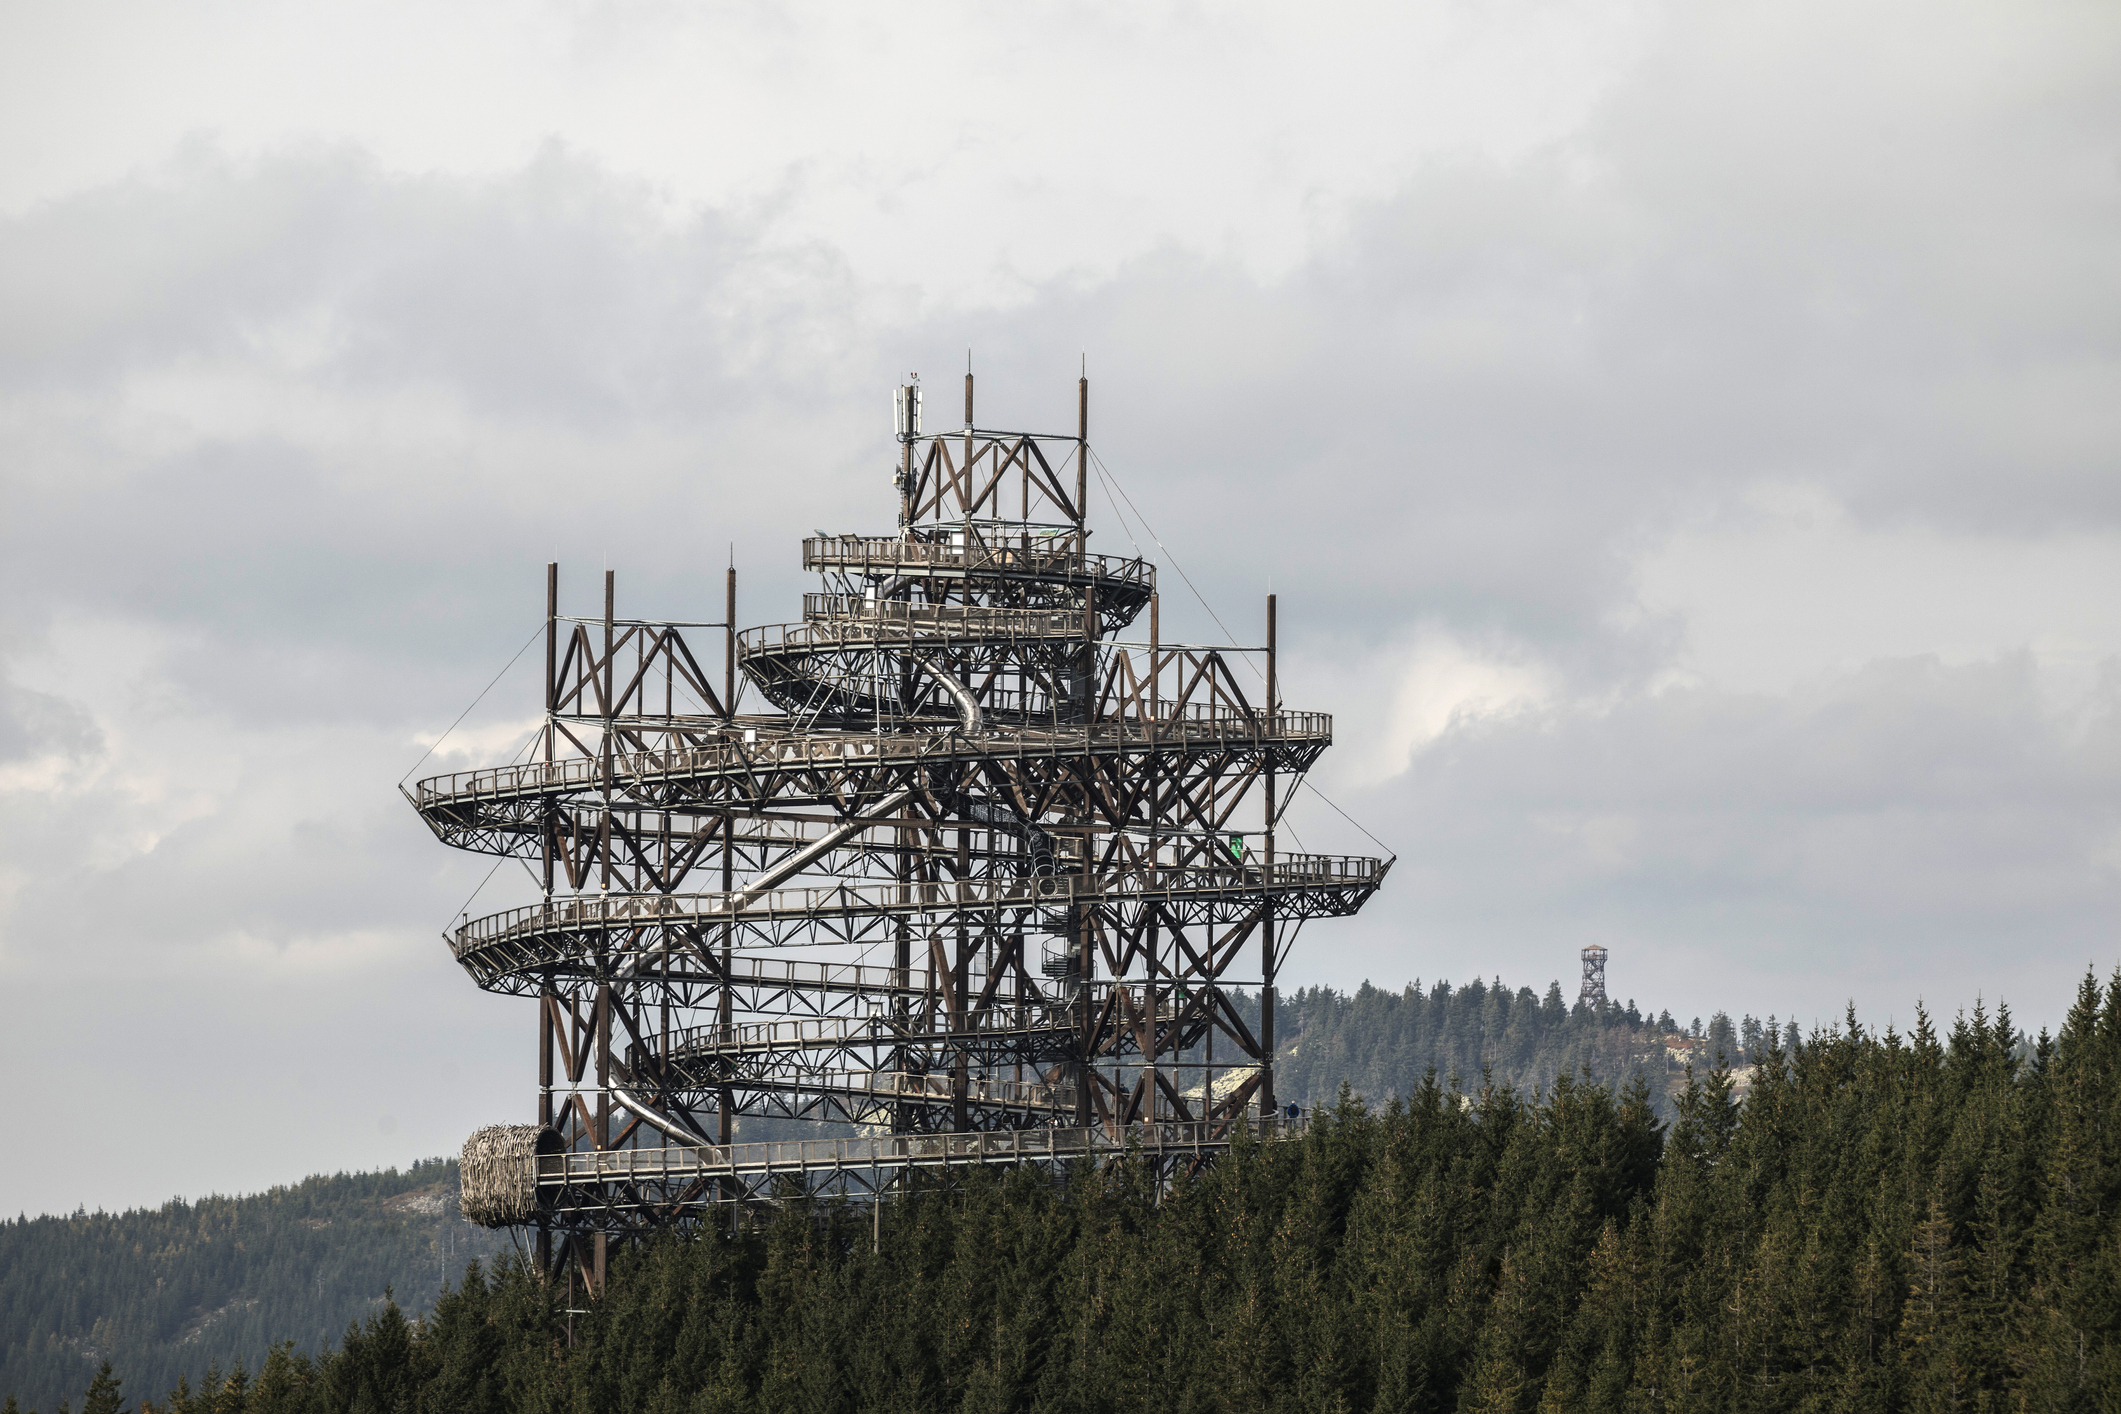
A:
x: 1474, y: 405
x: 1904, y: 823
x: 595, y: 379
x: 310, y: 428
x: 560, y: 294
x: 35, y: 724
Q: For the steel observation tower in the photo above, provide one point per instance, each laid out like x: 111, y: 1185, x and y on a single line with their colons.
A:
x: 972, y: 877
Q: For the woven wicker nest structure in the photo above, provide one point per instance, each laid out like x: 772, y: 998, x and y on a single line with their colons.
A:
x: 499, y: 1173
x: 993, y: 873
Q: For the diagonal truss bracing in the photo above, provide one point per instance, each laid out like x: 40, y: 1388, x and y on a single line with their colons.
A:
x: 986, y: 880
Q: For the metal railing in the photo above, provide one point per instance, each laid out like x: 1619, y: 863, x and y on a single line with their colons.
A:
x: 934, y: 625
x: 1028, y: 556
x: 822, y: 1032
x: 974, y: 618
x: 1199, y: 723
x: 593, y: 912
x: 816, y: 1156
x: 884, y: 1087
x: 849, y: 977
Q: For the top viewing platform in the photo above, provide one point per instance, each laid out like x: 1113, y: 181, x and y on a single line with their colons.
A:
x: 1000, y: 550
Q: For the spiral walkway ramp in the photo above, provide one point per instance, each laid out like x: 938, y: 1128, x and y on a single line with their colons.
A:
x: 991, y: 876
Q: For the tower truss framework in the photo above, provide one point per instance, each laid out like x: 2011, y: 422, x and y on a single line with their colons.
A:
x: 1592, y: 992
x: 978, y: 885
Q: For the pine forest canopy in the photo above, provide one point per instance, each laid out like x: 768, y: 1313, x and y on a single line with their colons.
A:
x: 1886, y: 1222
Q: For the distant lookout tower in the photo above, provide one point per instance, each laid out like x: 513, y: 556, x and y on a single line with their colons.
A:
x: 1593, y: 991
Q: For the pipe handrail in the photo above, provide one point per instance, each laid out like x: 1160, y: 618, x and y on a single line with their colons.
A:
x: 813, y: 1032
x: 605, y: 1166
x: 1033, y: 558
x: 588, y: 912
x: 1201, y: 723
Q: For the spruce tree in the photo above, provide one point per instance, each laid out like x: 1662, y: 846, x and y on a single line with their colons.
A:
x: 103, y: 1393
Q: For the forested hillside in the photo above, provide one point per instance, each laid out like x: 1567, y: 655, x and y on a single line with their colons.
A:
x: 1920, y: 1222
x: 1382, y: 1043
x: 176, y: 1289
x: 170, y: 1292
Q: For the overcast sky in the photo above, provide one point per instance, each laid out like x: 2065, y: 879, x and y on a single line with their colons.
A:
x: 1683, y: 438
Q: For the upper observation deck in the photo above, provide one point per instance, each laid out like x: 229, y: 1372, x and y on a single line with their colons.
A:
x: 992, y: 553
